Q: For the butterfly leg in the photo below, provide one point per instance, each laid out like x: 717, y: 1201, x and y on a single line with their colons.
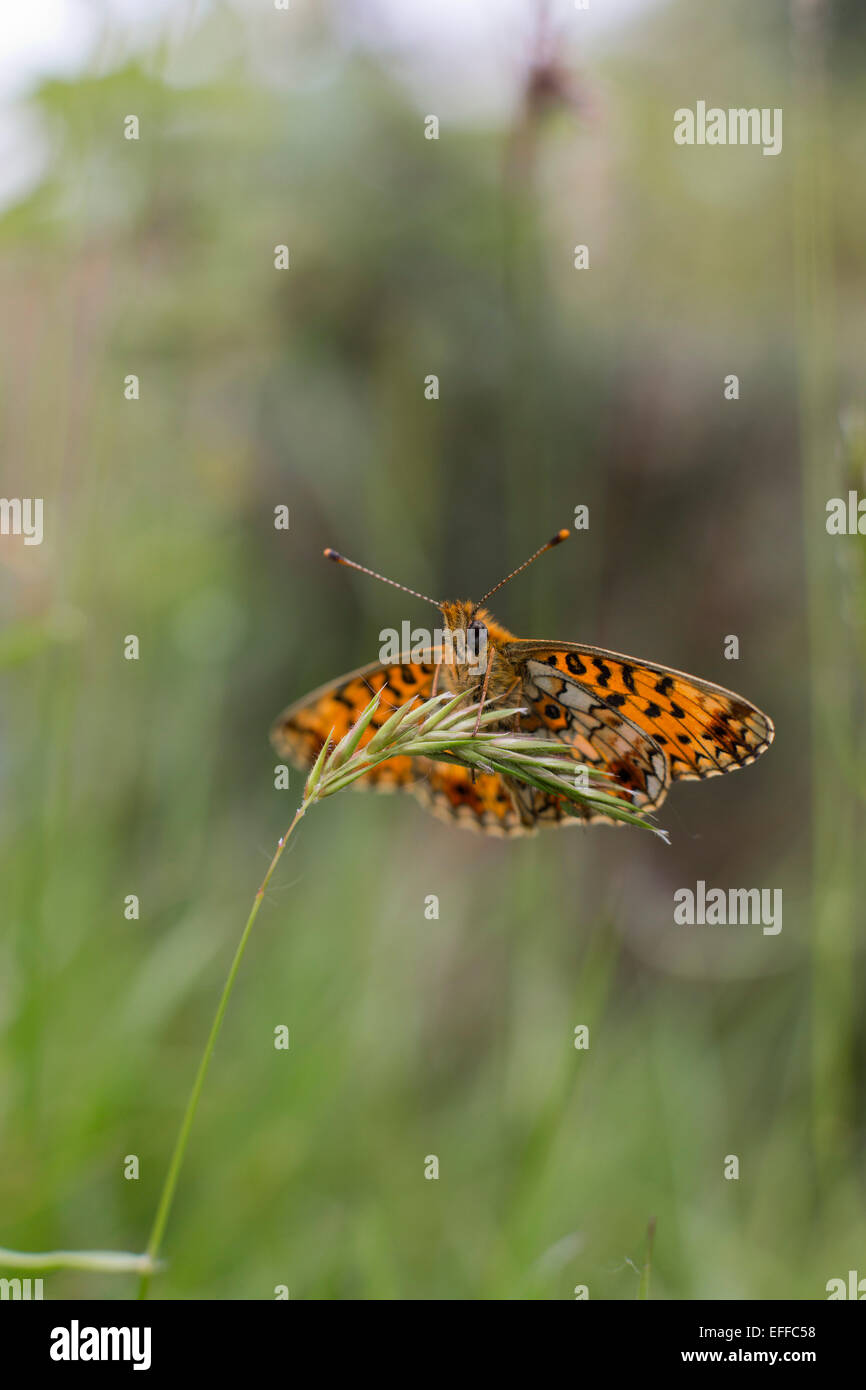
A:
x: 507, y: 696
x: 482, y: 697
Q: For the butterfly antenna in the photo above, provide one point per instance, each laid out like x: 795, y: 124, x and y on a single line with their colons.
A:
x: 557, y: 540
x: 353, y: 565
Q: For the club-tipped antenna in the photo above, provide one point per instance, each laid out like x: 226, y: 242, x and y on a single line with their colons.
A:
x: 353, y: 565
x: 556, y: 540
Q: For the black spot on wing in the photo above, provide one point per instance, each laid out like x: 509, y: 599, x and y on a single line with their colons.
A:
x: 603, y: 671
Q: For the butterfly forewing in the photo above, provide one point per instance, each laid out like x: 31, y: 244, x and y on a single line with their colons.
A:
x: 702, y: 729
x: 300, y: 730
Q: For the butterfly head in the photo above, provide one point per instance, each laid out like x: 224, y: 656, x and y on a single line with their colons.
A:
x: 473, y: 633
x: 461, y: 615
x: 468, y: 622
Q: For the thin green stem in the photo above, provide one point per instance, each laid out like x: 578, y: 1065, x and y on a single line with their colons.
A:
x: 168, y: 1189
x: 643, y: 1291
x: 106, y: 1261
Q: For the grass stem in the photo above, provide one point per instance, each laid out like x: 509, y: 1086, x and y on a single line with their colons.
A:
x: 174, y: 1167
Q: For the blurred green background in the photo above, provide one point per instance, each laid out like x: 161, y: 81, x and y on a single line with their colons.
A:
x: 258, y: 387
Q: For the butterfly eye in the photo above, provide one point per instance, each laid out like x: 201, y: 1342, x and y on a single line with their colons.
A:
x: 476, y: 634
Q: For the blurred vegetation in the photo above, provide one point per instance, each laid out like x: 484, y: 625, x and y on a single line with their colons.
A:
x: 412, y: 1037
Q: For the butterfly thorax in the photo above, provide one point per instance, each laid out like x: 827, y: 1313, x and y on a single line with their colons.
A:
x: 463, y: 618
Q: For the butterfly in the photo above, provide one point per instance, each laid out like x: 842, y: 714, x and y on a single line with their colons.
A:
x: 642, y: 725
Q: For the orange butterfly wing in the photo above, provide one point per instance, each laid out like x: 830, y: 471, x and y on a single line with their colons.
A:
x: 487, y: 804
x: 299, y: 732
x: 444, y: 788
x: 702, y: 729
x: 594, y: 732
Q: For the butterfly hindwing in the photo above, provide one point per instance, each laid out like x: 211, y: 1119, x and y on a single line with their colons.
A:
x: 597, y: 734
x: 486, y: 804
